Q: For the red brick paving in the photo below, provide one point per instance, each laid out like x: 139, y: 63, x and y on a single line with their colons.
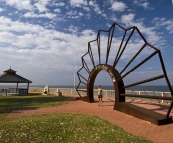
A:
x: 157, y: 134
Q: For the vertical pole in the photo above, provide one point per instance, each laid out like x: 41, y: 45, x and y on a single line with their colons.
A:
x: 140, y: 94
x: 17, y: 88
x: 74, y: 70
x: 74, y: 73
x: 27, y: 88
x: 162, y: 96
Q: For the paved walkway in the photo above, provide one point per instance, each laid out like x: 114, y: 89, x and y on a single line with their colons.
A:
x: 158, y: 134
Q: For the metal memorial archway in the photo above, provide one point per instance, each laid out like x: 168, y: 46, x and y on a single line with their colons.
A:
x: 114, y: 74
x: 118, y: 75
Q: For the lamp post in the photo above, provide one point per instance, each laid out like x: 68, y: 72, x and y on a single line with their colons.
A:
x: 75, y: 71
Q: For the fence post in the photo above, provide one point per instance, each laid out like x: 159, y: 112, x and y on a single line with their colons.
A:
x: 140, y: 94
x: 62, y: 91
x: 162, y: 96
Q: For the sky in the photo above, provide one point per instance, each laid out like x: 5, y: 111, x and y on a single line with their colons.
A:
x: 40, y: 38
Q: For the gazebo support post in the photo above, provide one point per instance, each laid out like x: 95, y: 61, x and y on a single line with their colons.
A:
x: 27, y: 88
x: 17, y: 87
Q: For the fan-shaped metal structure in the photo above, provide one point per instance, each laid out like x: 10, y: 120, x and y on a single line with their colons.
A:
x: 100, y: 59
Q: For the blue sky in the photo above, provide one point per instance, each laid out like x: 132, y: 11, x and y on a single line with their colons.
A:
x: 39, y: 38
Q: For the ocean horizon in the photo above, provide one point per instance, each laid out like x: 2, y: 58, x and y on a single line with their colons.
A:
x: 160, y: 88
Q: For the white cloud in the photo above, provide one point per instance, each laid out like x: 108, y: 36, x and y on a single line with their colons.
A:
x: 144, y: 4
x: 95, y: 5
x: 59, y: 4
x: 41, y: 7
x: 88, y: 32
x: 74, y: 14
x: 1, y: 9
x: 19, y: 4
x: 86, y: 8
x: 97, y: 8
x: 35, y: 43
x: 152, y: 36
x: 7, y: 37
x: 118, y: 6
x: 168, y: 24
x: 78, y: 3
x: 81, y: 14
x: 58, y: 10
x: 128, y: 19
x: 50, y: 26
x: 73, y: 29
x: 113, y: 18
x: 108, y: 25
x: 33, y: 15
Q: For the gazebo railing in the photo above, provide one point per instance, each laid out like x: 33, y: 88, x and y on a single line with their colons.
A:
x: 18, y: 90
x: 3, y: 90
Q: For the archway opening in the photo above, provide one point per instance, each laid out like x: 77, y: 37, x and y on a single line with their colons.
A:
x: 108, y: 93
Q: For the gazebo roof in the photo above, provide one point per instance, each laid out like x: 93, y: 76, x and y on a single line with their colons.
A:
x: 10, y: 76
x: 10, y: 71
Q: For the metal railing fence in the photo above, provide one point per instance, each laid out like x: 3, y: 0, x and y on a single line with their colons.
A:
x: 108, y: 93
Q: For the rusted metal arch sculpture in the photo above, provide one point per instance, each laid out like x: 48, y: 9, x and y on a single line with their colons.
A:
x: 117, y: 78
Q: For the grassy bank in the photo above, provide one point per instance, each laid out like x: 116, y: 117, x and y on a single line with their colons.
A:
x: 8, y: 103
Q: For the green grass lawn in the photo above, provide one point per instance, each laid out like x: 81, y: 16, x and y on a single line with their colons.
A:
x: 8, y: 103
x: 57, y: 128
